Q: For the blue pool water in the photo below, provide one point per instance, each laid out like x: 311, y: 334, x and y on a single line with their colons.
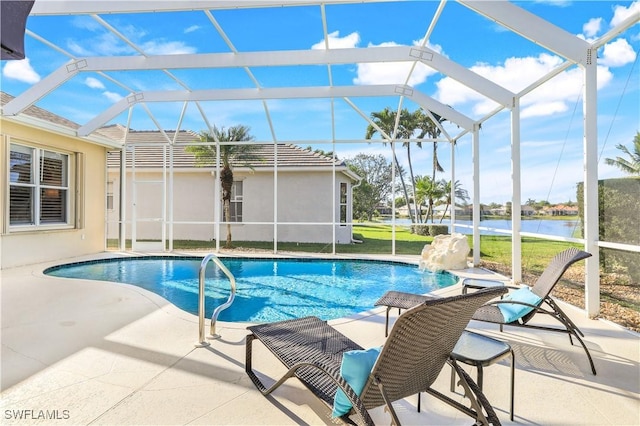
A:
x: 267, y: 289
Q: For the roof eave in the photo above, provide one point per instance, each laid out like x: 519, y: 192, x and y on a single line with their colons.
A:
x: 41, y: 124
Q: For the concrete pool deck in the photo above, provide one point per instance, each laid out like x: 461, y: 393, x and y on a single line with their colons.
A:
x: 91, y: 352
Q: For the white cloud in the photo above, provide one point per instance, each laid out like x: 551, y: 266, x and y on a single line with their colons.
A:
x: 516, y: 74
x: 336, y: 42
x: 103, y: 45
x: 93, y: 83
x: 393, y: 72
x: 107, y: 44
x: 620, y: 13
x: 379, y: 72
x: 21, y: 70
x: 592, y: 28
x: 191, y: 29
x: 617, y: 53
x: 167, y: 48
x: 112, y: 96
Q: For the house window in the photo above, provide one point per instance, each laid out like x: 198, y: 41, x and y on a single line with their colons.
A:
x: 343, y: 202
x: 38, y: 187
x: 110, y: 196
x: 235, y: 205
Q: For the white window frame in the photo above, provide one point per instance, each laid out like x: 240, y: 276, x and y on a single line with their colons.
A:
x: 37, y: 186
x: 236, y: 199
x: 110, y: 196
x: 343, y: 195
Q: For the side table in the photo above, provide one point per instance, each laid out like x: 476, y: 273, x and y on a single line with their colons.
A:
x: 482, y: 351
x: 478, y: 284
x: 398, y: 299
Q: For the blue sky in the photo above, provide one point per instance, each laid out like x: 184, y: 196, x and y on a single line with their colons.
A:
x: 551, y: 127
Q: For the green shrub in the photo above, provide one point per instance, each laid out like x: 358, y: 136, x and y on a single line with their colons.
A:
x: 618, y: 206
x: 438, y: 230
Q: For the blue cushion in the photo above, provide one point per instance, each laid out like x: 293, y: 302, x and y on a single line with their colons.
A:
x: 511, y: 311
x: 355, y: 369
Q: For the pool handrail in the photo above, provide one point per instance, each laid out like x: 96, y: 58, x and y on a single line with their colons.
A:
x: 201, y: 276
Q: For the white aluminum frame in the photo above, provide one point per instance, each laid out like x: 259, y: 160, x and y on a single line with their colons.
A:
x: 574, y: 50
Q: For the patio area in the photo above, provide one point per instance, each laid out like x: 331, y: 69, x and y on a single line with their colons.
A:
x: 92, y: 352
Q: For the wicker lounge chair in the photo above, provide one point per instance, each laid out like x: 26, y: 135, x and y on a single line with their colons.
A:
x: 415, y: 352
x: 530, y: 302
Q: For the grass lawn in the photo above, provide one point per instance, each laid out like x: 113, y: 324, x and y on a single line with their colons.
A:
x: 377, y: 239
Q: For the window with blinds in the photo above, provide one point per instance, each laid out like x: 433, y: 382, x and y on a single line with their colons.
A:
x: 38, y: 186
x: 235, y: 204
x: 343, y: 202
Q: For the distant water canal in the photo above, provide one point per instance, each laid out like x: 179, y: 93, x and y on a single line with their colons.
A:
x: 557, y: 227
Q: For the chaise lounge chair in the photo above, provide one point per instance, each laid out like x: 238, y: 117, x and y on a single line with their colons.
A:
x: 519, y: 307
x: 418, y: 346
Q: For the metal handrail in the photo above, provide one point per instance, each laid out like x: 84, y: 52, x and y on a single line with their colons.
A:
x: 216, y: 312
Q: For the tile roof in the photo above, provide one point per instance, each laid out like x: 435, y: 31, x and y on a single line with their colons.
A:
x: 149, y: 152
x: 42, y: 114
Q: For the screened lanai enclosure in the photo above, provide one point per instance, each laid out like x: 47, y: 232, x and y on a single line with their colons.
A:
x: 322, y: 99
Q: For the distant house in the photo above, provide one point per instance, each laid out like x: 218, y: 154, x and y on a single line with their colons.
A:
x: 561, y: 210
x: 527, y: 210
x: 404, y: 210
x: 499, y: 211
x: 181, y: 201
x: 383, y: 209
x: 443, y: 208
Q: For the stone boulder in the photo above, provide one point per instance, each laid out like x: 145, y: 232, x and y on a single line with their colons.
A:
x: 445, y: 252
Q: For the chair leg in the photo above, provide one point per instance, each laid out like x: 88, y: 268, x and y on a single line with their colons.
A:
x: 394, y: 417
x: 479, y: 402
x: 513, y: 371
x: 386, y: 324
x: 572, y: 329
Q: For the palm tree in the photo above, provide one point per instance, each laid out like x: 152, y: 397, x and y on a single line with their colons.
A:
x: 428, y: 189
x: 427, y: 127
x: 459, y: 194
x: 386, y: 121
x: 230, y: 155
x: 631, y: 165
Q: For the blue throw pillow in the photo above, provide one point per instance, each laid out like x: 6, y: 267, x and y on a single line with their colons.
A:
x: 355, y: 369
x: 511, y: 311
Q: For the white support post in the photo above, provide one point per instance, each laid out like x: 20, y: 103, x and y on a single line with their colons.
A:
x: 164, y: 198
x: 452, y: 212
x: 170, y: 196
x: 275, y: 197
x: 516, y: 199
x: 123, y: 199
x: 475, y: 153
x: 591, y: 219
x: 216, y: 197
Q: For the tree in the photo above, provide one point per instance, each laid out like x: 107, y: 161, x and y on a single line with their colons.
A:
x: 428, y: 127
x: 375, y: 186
x: 459, y: 193
x: 631, y: 165
x: 428, y: 189
x: 385, y: 120
x: 230, y: 155
x: 321, y: 152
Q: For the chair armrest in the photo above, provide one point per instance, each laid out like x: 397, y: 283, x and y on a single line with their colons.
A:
x: 512, y: 302
x: 334, y: 375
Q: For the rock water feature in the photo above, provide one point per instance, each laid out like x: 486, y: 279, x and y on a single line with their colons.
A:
x: 445, y: 252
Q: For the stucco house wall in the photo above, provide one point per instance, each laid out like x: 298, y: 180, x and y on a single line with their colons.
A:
x: 304, y: 196
x: 85, y: 232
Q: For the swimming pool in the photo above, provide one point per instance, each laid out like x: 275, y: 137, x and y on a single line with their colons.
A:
x: 267, y: 289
